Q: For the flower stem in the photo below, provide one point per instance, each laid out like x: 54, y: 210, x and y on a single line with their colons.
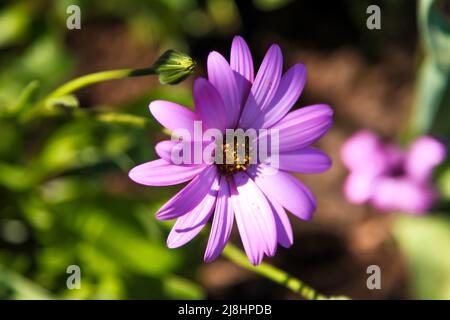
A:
x: 97, y: 77
x: 279, y: 276
x: 48, y: 106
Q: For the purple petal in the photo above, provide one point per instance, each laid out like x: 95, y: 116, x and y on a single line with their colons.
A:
x: 163, y: 173
x: 241, y: 58
x: 223, y: 79
x: 164, y: 149
x: 264, y: 87
x: 402, y: 194
x: 359, y: 186
x: 289, y: 90
x: 422, y: 157
x: 209, y: 105
x: 363, y: 151
x: 254, y: 218
x: 189, y: 225
x: 285, y: 235
x: 307, y: 160
x: 287, y: 191
x: 174, y: 116
x: 241, y: 63
x: 190, y: 196
x: 173, y: 151
x: 303, y: 127
x: 222, y: 223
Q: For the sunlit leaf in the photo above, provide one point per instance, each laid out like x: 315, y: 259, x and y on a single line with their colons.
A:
x: 432, y: 86
x: 15, y: 286
x: 426, y: 241
x: 269, y: 5
x: 435, y: 29
x: 181, y: 288
x: 14, y: 23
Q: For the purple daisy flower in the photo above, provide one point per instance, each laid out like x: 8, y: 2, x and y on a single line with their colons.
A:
x: 388, y: 177
x: 252, y: 194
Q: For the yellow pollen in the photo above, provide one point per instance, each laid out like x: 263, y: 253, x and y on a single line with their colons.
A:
x: 236, y: 158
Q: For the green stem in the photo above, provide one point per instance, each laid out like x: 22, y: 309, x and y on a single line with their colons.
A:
x: 114, y: 118
x: 97, y: 77
x: 279, y: 276
x: 43, y: 107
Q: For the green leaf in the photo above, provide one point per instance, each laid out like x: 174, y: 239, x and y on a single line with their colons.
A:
x: 435, y: 32
x: 11, y: 141
x: 426, y: 241
x: 71, y: 146
x: 25, y: 100
x: 432, y: 85
x: 431, y: 88
x: 182, y: 288
x: 69, y: 101
x: 14, y: 286
x: 45, y: 60
x: 269, y: 5
x: 14, y: 23
x: 444, y: 184
x: 16, y: 177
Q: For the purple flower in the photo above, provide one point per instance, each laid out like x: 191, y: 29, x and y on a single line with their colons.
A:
x: 388, y: 177
x: 253, y: 194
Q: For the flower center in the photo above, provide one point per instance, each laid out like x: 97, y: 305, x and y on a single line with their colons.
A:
x: 397, y: 171
x: 235, y: 156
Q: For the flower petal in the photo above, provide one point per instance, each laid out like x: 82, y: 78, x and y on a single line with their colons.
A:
x: 363, y: 151
x: 241, y: 58
x: 174, y: 116
x: 183, y: 152
x: 264, y: 87
x: 307, y: 160
x: 223, y: 79
x: 423, y: 155
x: 190, y: 196
x: 241, y: 63
x: 254, y: 218
x: 189, y: 225
x: 359, y: 187
x: 164, y: 149
x: 285, y: 235
x: 288, y: 92
x: 287, y: 191
x: 163, y: 173
x: 402, y: 194
x: 303, y: 127
x: 222, y: 223
x: 209, y: 105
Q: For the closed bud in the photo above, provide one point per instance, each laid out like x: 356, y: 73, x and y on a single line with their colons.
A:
x: 173, y: 67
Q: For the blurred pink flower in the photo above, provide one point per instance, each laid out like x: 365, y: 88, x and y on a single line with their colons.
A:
x: 389, y: 177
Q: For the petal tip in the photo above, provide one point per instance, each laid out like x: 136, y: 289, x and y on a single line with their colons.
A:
x: 170, y: 243
x: 275, y: 47
x: 238, y: 38
x: 132, y: 174
x: 209, y: 257
x: 153, y: 106
x: 214, y: 56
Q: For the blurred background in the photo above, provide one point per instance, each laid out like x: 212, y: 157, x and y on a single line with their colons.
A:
x: 65, y: 196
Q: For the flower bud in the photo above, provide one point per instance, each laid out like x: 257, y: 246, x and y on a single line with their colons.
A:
x: 173, y: 67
